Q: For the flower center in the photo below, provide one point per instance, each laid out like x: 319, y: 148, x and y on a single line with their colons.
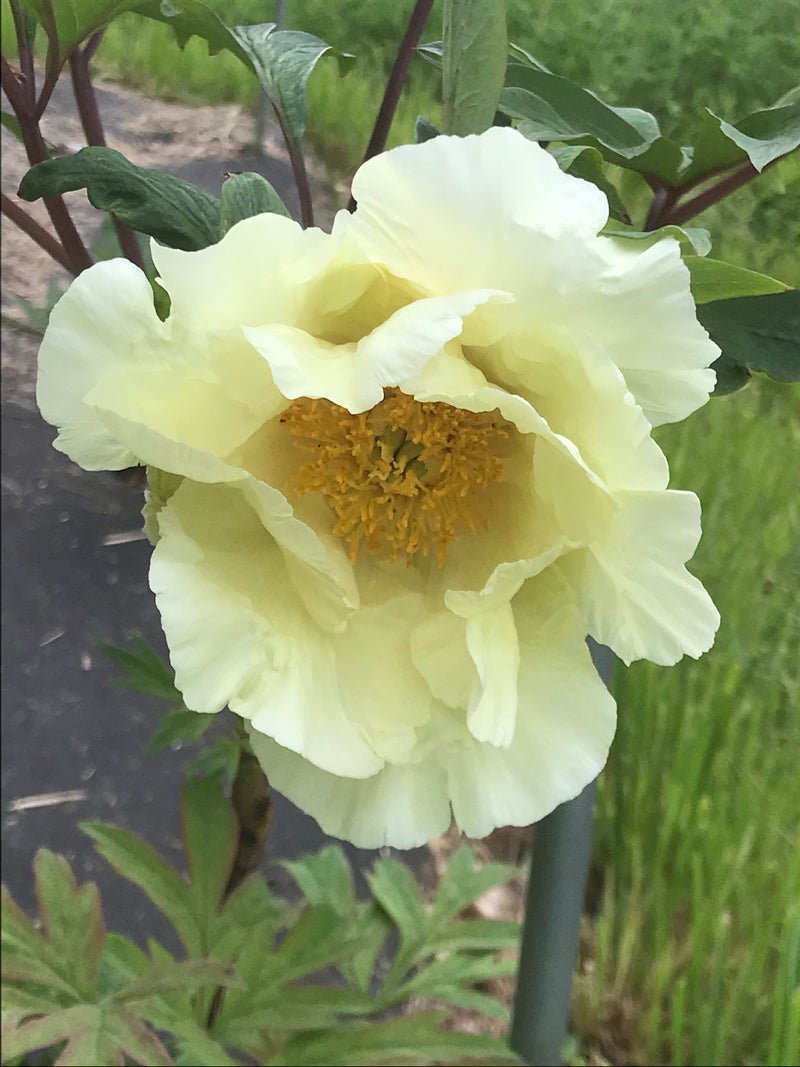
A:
x: 404, y: 474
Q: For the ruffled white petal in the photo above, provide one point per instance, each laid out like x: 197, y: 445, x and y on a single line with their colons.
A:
x: 564, y: 727
x: 404, y: 805
x: 257, y: 273
x: 104, y: 324
x: 639, y: 598
x: 638, y: 305
x: 454, y: 212
x: 239, y: 633
x: 354, y: 375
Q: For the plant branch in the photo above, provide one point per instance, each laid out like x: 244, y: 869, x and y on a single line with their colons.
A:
x: 253, y: 808
x: 716, y: 192
x: 92, y: 124
x: 24, y: 51
x: 20, y: 97
x: 28, y: 224
x: 397, y: 79
x: 298, y: 169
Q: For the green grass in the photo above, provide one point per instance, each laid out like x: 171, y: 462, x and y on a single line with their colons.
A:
x: 692, y: 954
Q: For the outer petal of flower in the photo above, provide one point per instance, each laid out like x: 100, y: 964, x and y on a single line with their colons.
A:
x: 355, y: 375
x: 239, y: 633
x: 255, y: 274
x: 638, y: 304
x: 404, y: 805
x: 645, y: 604
x: 472, y: 207
x: 104, y: 324
x: 564, y: 727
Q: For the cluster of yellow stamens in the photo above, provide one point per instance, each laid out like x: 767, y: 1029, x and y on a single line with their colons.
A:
x: 404, y: 474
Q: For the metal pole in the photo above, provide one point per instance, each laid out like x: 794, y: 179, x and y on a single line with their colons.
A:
x: 559, y: 866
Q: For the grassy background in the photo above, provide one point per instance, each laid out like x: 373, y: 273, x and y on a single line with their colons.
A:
x: 692, y: 952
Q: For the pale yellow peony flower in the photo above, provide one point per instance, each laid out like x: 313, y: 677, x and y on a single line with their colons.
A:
x: 399, y: 472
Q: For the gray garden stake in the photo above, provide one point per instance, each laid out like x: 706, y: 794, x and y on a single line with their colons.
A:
x: 559, y: 866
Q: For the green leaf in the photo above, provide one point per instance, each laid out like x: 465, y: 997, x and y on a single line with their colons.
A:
x: 694, y: 240
x: 760, y: 137
x: 11, y: 123
x: 222, y: 757
x: 713, y: 280
x: 174, y: 211
x: 189, y: 18
x: 187, y: 974
x: 474, y: 52
x: 245, y: 195
x: 180, y: 724
x: 556, y: 109
x: 424, y: 130
x: 283, y: 61
x: 412, y: 1036
x: 442, y: 978
x: 755, y: 333
x: 325, y: 878
x: 587, y: 163
x: 396, y: 891
x: 136, y: 860
x: 69, y: 23
x: 96, y: 1035
x: 145, y: 671
x: 72, y: 920
x: 210, y: 836
x: 463, y: 882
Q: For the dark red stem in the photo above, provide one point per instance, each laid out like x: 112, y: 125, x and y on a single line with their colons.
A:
x: 92, y: 123
x: 397, y: 79
x: 20, y: 96
x: 20, y: 217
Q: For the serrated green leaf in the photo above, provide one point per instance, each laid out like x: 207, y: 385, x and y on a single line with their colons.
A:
x: 186, y: 974
x: 694, y: 240
x: 96, y: 1035
x: 555, y: 109
x: 180, y: 724
x: 325, y: 878
x: 412, y: 1036
x: 11, y: 123
x: 486, y: 935
x: 72, y: 920
x: 136, y: 860
x: 587, y: 163
x: 755, y: 333
x: 245, y: 195
x: 283, y: 61
x: 221, y: 758
x: 286, y: 1008
x: 174, y: 211
x: 145, y: 671
x: 761, y: 137
x: 463, y: 882
x: 442, y: 977
x: 396, y: 891
x: 196, y: 1048
x: 372, y: 925
x: 474, y: 51
x: 424, y: 130
x: 318, y: 939
x: 210, y: 836
x: 713, y: 280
